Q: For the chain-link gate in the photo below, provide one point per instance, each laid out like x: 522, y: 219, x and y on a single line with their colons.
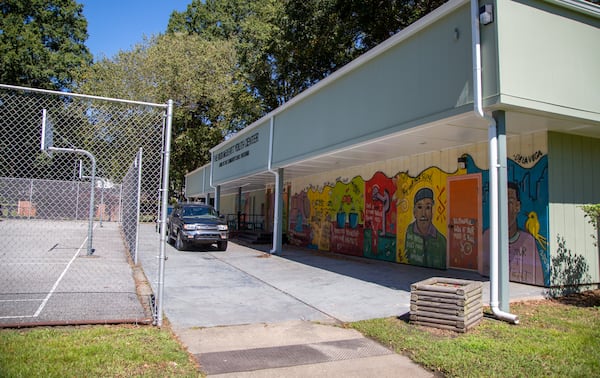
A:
x: 82, y: 180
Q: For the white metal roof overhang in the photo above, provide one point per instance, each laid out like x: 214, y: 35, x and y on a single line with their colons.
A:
x: 458, y: 131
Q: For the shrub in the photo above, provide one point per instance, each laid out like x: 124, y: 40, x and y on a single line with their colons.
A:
x: 569, y: 270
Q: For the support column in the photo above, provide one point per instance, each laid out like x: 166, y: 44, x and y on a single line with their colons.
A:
x: 218, y: 198
x: 278, y: 213
x: 207, y: 198
x: 503, y: 266
x: 239, y: 209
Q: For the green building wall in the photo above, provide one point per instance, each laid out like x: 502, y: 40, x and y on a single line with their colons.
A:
x: 574, y: 180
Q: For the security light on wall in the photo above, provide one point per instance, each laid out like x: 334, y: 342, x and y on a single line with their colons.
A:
x: 486, y: 14
x: 462, y: 162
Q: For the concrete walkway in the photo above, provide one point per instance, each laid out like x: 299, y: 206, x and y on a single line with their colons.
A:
x: 293, y: 349
x: 245, y: 313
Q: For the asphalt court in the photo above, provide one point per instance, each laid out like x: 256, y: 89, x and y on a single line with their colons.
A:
x: 47, y: 276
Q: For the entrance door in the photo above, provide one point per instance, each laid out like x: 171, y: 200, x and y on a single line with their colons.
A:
x: 464, y: 222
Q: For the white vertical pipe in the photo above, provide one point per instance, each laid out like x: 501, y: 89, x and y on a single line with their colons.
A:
x: 493, y: 166
x: 277, y: 211
x: 494, y: 211
x: 217, y: 188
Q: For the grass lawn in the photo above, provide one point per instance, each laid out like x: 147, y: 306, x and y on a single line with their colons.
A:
x: 555, y: 338
x: 93, y: 351
x: 558, y: 338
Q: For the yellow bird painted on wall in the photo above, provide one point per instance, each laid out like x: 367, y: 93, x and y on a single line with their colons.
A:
x: 533, y: 227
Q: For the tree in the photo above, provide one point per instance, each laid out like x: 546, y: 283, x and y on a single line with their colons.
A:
x: 42, y: 43
x: 199, y: 75
x: 250, y: 25
x: 320, y: 36
x: 285, y: 47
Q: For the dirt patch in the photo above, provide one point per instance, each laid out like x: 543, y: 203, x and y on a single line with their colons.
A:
x: 589, y: 298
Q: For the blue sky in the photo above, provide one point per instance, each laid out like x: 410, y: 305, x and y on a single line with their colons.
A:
x: 115, y: 25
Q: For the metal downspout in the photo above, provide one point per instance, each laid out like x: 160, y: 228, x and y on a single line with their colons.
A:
x: 494, y: 166
x: 210, y: 183
x: 276, y: 221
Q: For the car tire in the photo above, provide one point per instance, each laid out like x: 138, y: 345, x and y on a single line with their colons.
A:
x: 180, y: 245
x: 170, y: 238
x: 222, y: 245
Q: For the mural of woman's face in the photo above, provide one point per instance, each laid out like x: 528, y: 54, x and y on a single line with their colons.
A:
x: 423, y: 213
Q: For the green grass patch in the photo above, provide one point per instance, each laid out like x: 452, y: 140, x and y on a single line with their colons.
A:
x: 93, y: 351
x: 553, y: 339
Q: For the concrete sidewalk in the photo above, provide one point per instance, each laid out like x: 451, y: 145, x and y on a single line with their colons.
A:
x: 246, y: 313
x: 294, y: 349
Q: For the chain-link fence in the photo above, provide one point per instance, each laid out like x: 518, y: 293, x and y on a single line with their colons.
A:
x: 130, y: 199
x: 72, y: 199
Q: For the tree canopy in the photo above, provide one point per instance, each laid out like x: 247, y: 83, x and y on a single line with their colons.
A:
x: 199, y: 75
x: 42, y: 43
x: 227, y: 62
x: 250, y: 25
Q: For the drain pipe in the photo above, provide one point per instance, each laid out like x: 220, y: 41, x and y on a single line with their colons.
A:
x: 276, y: 222
x: 210, y: 183
x: 493, y: 158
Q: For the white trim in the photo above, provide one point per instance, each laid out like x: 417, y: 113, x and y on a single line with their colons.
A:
x: 47, y: 91
x: 579, y: 6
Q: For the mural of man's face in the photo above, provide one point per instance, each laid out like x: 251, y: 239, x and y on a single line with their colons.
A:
x: 423, y: 213
x: 514, y: 207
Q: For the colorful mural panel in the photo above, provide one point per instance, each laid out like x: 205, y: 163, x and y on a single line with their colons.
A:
x: 300, y: 209
x: 380, y: 218
x: 405, y: 219
x: 422, y: 219
x: 464, y: 222
x: 331, y: 218
x: 529, y: 257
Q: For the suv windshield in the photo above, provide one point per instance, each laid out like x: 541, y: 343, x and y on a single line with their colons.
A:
x: 198, y: 211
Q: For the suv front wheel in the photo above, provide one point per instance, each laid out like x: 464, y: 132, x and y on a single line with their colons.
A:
x: 170, y: 238
x: 222, y: 245
x: 180, y: 245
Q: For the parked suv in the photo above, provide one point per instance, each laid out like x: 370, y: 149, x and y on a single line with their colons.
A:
x: 196, y: 224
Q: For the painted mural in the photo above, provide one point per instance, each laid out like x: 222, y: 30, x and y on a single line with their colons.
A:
x: 529, y: 257
x: 380, y: 218
x: 405, y: 218
x: 422, y: 219
x: 330, y: 218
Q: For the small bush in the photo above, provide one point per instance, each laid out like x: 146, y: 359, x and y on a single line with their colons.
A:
x: 569, y: 271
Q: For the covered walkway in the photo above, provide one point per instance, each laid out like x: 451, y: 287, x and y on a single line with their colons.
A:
x: 248, y: 285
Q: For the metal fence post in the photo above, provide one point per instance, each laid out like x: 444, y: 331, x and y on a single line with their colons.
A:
x: 30, y: 209
x: 139, y: 195
x: 163, y: 213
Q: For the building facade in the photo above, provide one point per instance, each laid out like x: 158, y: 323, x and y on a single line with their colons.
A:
x: 475, y: 125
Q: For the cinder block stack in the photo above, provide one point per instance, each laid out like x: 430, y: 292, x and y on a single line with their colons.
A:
x: 446, y: 303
